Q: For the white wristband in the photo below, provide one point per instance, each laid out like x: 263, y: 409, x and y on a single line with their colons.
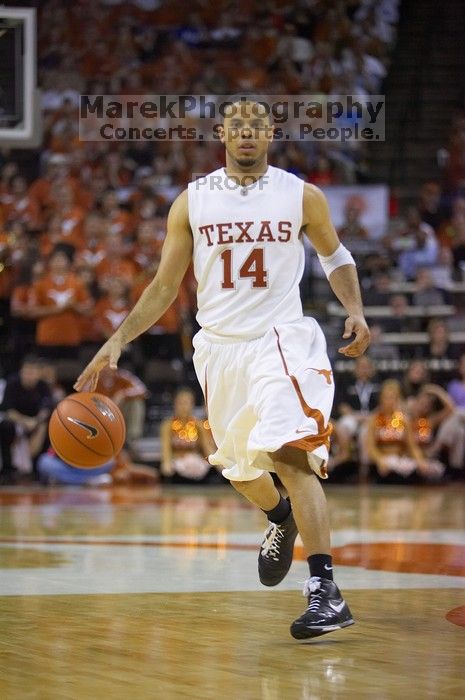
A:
x: 341, y: 256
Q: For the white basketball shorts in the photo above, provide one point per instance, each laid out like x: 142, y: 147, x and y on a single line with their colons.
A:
x: 265, y: 393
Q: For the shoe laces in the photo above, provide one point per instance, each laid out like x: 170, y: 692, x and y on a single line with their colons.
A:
x: 312, y: 590
x: 272, y: 541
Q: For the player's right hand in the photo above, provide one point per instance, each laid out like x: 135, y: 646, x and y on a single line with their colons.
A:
x: 108, y: 355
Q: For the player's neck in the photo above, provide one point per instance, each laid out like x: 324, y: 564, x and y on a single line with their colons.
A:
x: 245, y: 175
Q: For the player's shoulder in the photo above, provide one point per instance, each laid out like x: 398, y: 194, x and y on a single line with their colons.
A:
x: 284, y: 176
x: 179, y: 207
x: 314, y: 196
x: 178, y: 215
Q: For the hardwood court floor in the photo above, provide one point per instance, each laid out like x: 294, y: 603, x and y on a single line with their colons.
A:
x: 153, y: 594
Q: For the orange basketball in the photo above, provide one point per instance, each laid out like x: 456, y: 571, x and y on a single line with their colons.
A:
x: 86, y: 430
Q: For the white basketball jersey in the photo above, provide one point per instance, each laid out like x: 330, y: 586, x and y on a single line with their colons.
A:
x: 248, y: 252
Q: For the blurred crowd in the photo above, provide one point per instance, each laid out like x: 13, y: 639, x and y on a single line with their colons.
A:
x: 82, y: 225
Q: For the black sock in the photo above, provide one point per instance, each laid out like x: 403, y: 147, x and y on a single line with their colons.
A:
x: 280, y: 512
x: 321, y: 565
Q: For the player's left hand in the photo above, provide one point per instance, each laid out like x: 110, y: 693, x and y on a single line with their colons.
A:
x: 357, y: 325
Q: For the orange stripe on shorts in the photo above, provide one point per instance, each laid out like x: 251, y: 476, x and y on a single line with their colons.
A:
x: 309, y: 442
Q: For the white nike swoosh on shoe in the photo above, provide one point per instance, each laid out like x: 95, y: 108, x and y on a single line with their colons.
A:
x: 338, y: 607
x: 328, y: 568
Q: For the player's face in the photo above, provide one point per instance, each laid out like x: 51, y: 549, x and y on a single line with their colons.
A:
x: 246, y: 134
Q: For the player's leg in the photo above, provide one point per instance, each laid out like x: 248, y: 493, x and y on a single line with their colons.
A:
x: 275, y: 556
x: 262, y: 492
x: 327, y: 610
x: 308, y: 501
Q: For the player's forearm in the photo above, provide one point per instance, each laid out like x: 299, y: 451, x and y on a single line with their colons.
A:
x: 153, y: 303
x: 345, y: 285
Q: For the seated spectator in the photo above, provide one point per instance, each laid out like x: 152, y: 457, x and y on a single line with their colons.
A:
x: 120, y: 470
x: 356, y: 399
x: 166, y: 338
x: 379, y: 292
x: 48, y: 374
x: 354, y: 402
x: 399, y: 320
x: 69, y: 216
x: 111, y: 310
x: 426, y: 293
x: 458, y: 244
x: 186, y: 442
x: 57, y: 302
x: 322, y: 173
x: 415, y: 244
x: 456, y: 388
x: 24, y: 411
x: 129, y: 393
x: 442, y: 272
x: 115, y: 262
x: 23, y: 327
x: 93, y: 251
x: 450, y: 231
x: 414, y: 379
x: 436, y: 429
x: 147, y: 247
x: 439, y: 344
x: 391, y: 443
x: 378, y: 348
x: 44, y: 190
x: 430, y: 206
x: 18, y: 205
x: 116, y: 220
x: 343, y: 463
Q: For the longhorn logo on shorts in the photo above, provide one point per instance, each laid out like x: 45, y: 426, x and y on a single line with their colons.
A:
x: 93, y: 431
x: 326, y: 373
x: 104, y: 409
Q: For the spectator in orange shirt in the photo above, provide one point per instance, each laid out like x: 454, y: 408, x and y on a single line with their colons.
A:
x: 165, y: 339
x: 115, y: 264
x: 93, y: 251
x: 70, y: 215
x: 118, y: 222
x: 23, y: 327
x: 18, y: 205
x: 57, y: 302
x: 112, y: 309
x: 129, y: 393
x: 147, y: 247
x: 43, y: 189
x: 90, y: 333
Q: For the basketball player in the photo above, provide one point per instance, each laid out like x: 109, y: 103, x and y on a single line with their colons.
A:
x: 263, y: 366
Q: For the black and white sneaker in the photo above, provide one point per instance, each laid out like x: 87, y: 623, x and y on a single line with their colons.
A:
x: 327, y: 610
x: 275, y: 557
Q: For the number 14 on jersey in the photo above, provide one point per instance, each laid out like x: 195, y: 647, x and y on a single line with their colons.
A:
x: 253, y: 267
